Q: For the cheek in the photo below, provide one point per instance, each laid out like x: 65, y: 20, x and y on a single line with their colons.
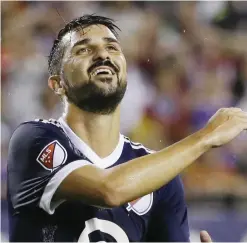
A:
x: 123, y: 65
x: 75, y: 71
x: 66, y: 72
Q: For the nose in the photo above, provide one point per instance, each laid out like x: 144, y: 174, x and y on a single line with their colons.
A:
x: 101, y: 54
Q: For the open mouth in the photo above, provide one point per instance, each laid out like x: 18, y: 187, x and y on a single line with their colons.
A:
x: 102, y: 71
x: 103, y: 68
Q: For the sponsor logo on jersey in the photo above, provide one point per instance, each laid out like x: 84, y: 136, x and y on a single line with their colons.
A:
x: 52, y: 155
x: 141, y: 205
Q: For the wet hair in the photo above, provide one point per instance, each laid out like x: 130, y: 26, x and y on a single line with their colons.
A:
x: 58, y: 49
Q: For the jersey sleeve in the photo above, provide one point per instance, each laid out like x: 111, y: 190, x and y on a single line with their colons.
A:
x: 39, y: 159
x: 169, y: 220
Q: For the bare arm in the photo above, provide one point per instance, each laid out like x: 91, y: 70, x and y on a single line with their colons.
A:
x: 136, y: 178
x: 120, y: 184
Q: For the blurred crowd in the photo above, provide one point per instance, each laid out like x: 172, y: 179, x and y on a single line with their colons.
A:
x: 185, y: 61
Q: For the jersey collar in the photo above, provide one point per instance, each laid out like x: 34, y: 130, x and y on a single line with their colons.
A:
x: 88, y: 152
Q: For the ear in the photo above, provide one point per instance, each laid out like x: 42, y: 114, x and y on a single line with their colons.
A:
x: 55, y: 84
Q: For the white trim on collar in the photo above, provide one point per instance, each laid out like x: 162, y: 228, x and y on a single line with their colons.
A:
x: 88, y: 152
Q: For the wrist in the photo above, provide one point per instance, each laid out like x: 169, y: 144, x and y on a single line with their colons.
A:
x: 204, y: 138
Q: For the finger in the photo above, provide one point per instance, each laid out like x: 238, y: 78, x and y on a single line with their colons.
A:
x: 238, y: 114
x: 239, y: 119
x: 232, y: 112
x: 232, y: 109
x: 238, y: 123
x: 235, y: 109
x: 205, y: 237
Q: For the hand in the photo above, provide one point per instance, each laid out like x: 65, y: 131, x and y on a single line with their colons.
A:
x: 224, y: 126
x: 205, y: 237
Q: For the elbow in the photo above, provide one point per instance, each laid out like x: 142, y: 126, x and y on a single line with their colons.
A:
x: 111, y: 196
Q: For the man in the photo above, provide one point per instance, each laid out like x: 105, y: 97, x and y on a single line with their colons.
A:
x: 78, y: 178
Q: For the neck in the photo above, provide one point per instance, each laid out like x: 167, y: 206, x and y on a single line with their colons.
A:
x: 95, y: 129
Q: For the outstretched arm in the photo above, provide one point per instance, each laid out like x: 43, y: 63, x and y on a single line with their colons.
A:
x: 126, y: 182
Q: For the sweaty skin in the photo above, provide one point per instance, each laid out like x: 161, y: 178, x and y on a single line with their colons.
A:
x: 126, y: 182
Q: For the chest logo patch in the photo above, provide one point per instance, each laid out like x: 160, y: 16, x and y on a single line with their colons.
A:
x: 141, y: 205
x: 52, y: 156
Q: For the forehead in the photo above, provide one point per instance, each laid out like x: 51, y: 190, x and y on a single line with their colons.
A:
x: 93, y: 32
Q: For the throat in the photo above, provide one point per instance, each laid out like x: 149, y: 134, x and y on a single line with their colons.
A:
x: 99, y: 132
x: 103, y: 147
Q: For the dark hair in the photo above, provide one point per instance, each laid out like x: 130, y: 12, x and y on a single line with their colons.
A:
x: 57, y: 51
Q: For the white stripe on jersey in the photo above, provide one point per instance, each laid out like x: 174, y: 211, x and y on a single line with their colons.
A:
x: 46, y: 201
x: 138, y: 145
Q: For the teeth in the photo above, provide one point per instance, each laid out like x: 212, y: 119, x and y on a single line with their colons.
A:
x: 101, y: 70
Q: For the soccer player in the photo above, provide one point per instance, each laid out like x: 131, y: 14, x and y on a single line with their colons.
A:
x: 78, y: 178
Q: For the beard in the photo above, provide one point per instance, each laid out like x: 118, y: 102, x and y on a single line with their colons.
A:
x: 92, y: 98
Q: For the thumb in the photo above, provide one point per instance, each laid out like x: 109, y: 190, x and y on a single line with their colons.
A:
x: 205, y: 237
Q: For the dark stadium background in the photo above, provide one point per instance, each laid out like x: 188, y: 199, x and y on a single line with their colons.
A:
x: 185, y: 60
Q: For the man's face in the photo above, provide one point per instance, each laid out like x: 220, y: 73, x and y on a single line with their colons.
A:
x: 94, y: 69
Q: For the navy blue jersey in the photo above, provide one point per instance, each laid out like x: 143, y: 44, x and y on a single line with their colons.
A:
x: 42, y: 153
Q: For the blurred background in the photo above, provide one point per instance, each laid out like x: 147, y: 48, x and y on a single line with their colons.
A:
x: 185, y: 61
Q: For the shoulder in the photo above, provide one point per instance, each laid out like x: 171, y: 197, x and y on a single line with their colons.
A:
x: 37, y: 128
x: 137, y: 147
x: 40, y: 140
x: 37, y: 134
x: 50, y: 124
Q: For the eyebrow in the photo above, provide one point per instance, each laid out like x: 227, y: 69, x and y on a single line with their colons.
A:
x: 87, y: 41
x: 110, y: 40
